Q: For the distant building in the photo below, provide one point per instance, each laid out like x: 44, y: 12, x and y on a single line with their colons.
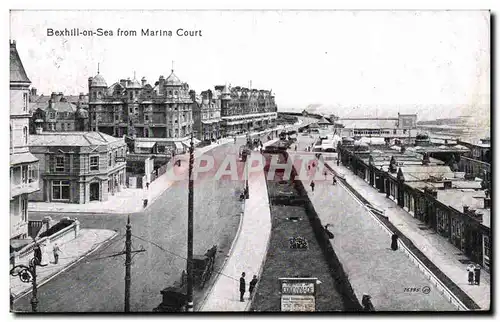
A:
x: 23, y: 165
x: 456, y: 207
x: 207, y: 115
x: 140, y: 110
x: 244, y: 109
x: 477, y: 162
x: 79, y: 167
x: 59, y: 114
x: 402, y: 128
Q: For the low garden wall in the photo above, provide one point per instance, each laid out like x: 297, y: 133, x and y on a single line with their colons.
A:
x: 62, y: 232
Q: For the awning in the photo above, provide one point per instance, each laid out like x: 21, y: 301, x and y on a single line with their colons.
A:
x: 22, y: 158
x: 178, y: 145
x: 145, y: 145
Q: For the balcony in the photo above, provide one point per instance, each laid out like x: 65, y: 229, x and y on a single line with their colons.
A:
x: 24, y: 179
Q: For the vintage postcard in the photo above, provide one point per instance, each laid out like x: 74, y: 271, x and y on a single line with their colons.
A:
x: 250, y: 161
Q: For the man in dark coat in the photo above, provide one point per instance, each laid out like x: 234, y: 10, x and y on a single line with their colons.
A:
x: 242, y: 286
x: 477, y: 274
x: 37, y: 251
x: 312, y: 185
x: 394, y: 243
x: 253, y: 282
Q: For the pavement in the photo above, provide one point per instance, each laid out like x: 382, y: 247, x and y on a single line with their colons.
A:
x: 248, y: 252
x: 72, y: 252
x: 435, y: 247
x: 130, y: 200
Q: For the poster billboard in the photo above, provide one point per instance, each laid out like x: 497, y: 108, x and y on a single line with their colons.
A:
x: 298, y: 294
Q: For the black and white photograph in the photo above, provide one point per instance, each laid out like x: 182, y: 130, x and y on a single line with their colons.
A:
x: 249, y: 161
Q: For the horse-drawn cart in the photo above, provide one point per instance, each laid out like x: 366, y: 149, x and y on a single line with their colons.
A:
x: 203, y: 266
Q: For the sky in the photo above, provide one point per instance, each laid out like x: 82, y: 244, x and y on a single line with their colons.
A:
x: 352, y: 63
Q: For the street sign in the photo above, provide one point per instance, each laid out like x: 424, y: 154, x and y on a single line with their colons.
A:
x: 120, y: 159
x: 298, y: 294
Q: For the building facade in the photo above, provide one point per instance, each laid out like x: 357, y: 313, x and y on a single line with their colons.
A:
x: 140, y: 110
x: 244, y: 109
x: 477, y: 162
x: 59, y: 114
x: 79, y: 167
x: 207, y: 115
x: 23, y: 165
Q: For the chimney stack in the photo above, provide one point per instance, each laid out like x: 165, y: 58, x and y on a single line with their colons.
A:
x: 51, y: 103
x: 123, y: 82
x: 143, y: 81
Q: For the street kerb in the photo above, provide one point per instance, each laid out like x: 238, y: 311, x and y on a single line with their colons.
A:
x: 226, y: 259
x: 65, y: 268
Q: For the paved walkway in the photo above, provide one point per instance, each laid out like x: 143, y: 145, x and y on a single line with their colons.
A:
x: 363, y: 248
x: 130, y: 200
x: 248, y: 253
x: 71, y: 252
x: 435, y: 247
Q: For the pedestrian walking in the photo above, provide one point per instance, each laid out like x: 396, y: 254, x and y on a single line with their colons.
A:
x: 325, y: 174
x: 253, y: 282
x: 242, y: 286
x: 312, y: 186
x: 295, y: 147
x: 338, y: 162
x: 37, y: 251
x: 56, y: 251
x: 394, y: 243
x: 334, y: 180
x: 470, y: 273
x: 477, y: 274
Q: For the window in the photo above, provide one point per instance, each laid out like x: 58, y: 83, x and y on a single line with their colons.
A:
x: 24, y: 209
x: 24, y: 174
x: 131, y: 95
x: 25, y: 102
x: 110, y: 157
x: 146, y: 117
x: 487, y: 248
x: 51, y: 115
x: 94, y: 163
x: 25, y: 135
x: 59, y: 165
x: 33, y: 172
x: 60, y: 190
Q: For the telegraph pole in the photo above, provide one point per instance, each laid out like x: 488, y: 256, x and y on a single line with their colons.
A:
x: 190, y: 231
x: 128, y: 263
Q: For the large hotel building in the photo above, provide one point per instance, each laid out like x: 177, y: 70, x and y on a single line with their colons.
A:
x: 163, y: 112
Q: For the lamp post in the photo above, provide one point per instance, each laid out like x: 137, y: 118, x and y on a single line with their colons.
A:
x: 190, y: 231
x: 27, y: 274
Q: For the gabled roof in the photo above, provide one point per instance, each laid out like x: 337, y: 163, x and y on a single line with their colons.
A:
x: 324, y: 121
x: 17, y: 72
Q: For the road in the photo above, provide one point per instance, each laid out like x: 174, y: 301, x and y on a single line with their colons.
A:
x: 97, y: 283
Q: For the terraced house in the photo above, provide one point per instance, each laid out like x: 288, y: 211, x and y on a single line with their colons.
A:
x: 244, y: 109
x: 23, y: 164
x: 78, y: 167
